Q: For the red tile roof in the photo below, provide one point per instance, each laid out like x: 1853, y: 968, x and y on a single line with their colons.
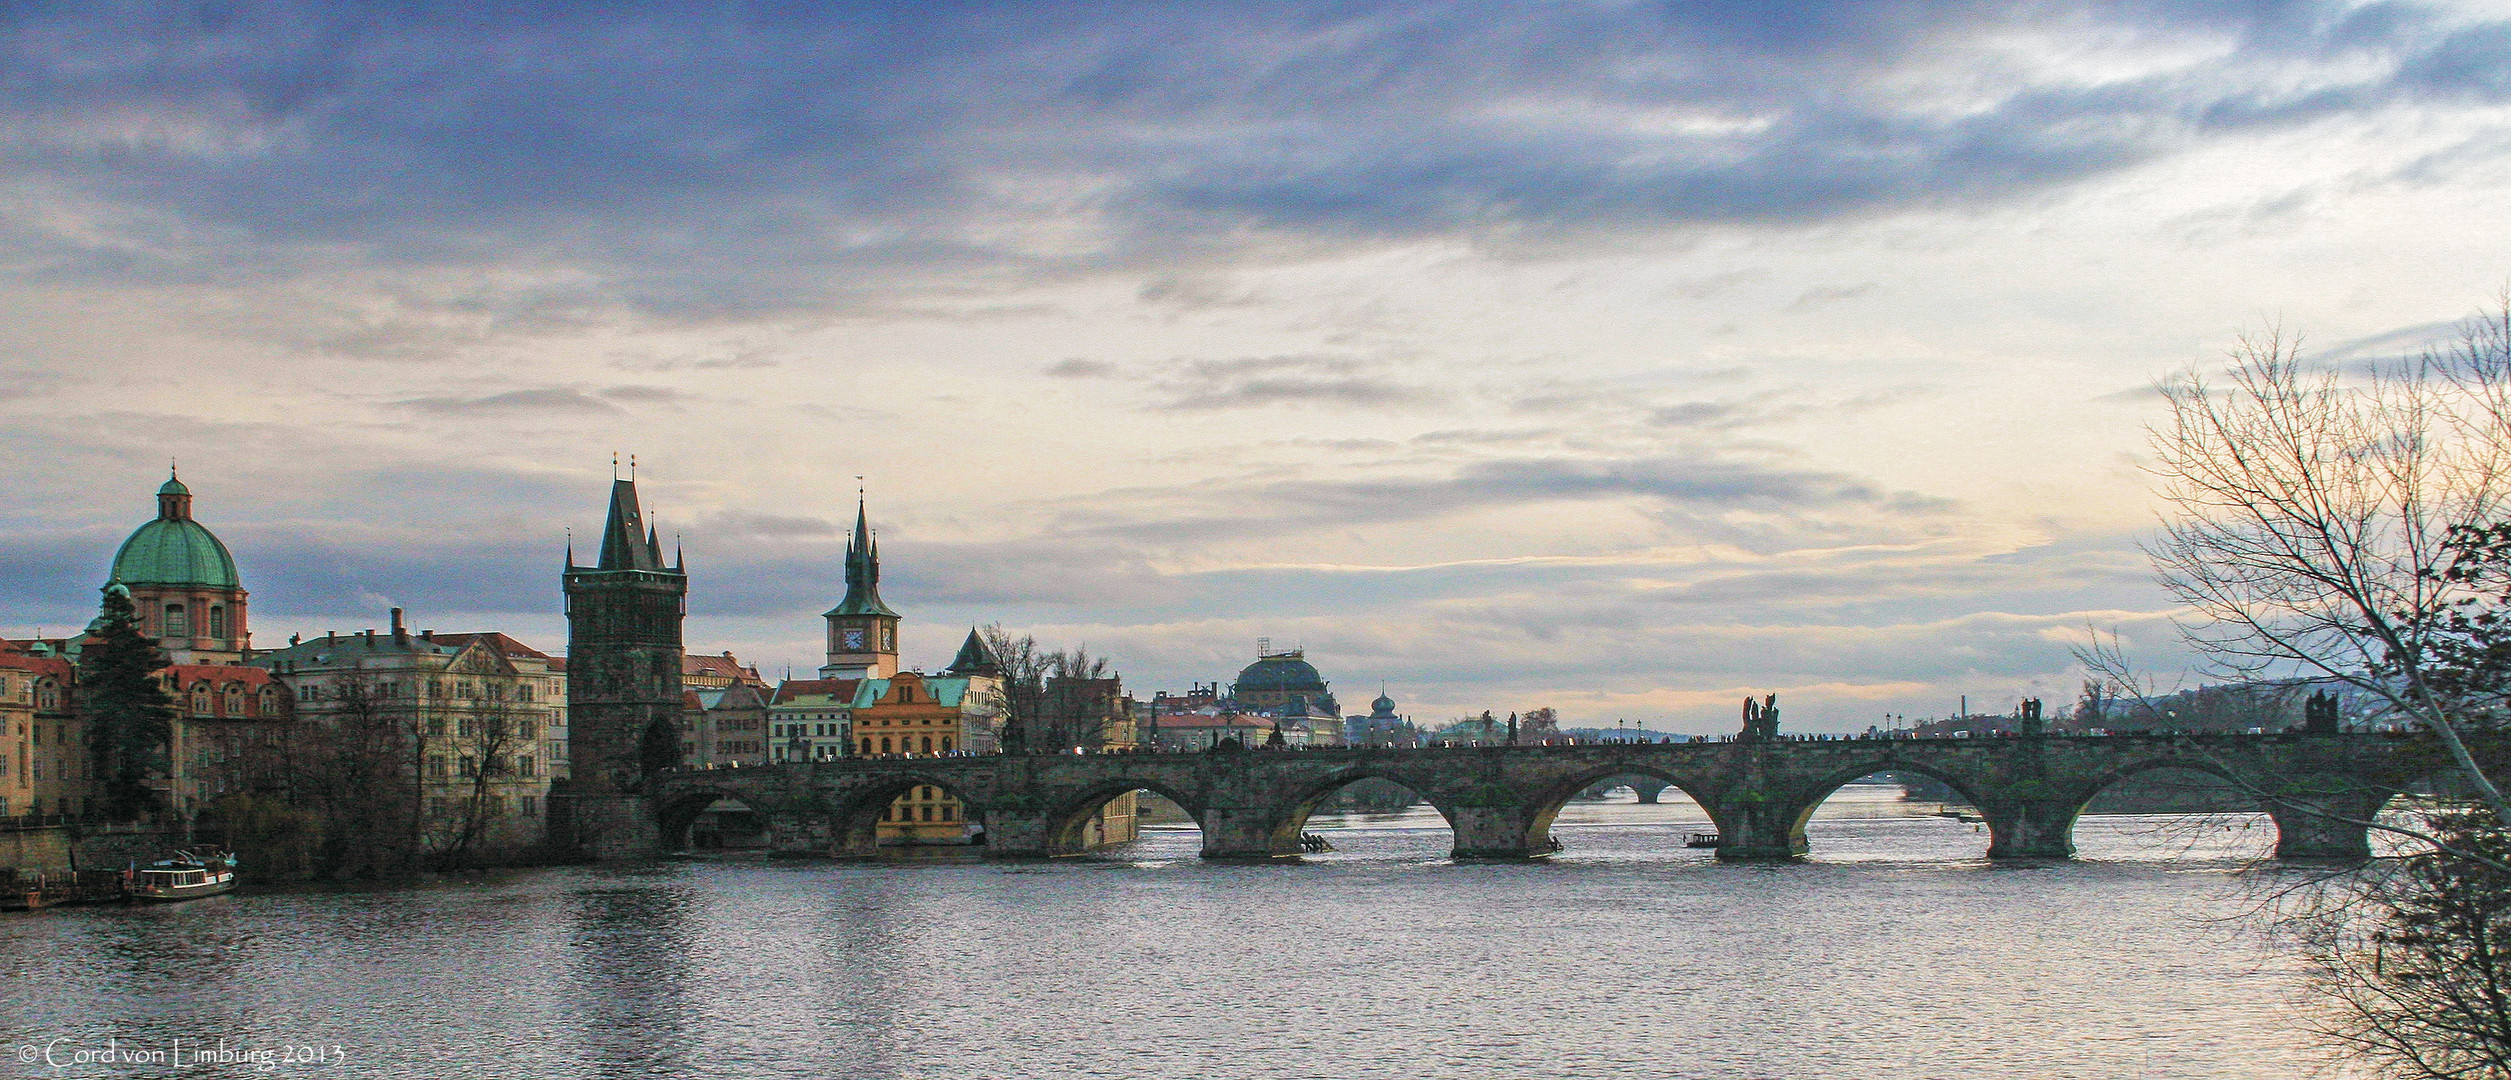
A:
x: 505, y: 646
x: 794, y: 688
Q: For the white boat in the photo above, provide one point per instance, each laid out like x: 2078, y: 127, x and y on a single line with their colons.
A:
x: 184, y: 876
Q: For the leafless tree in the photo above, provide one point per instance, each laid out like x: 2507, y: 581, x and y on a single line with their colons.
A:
x: 2310, y: 516
x: 1053, y: 699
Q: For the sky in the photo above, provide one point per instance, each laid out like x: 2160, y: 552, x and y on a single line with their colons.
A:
x: 1618, y: 358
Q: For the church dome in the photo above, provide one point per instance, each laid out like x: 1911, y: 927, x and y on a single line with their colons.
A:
x: 1383, y: 706
x: 1282, y: 673
x: 174, y: 549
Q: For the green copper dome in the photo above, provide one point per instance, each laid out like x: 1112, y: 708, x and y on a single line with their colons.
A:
x: 174, y: 549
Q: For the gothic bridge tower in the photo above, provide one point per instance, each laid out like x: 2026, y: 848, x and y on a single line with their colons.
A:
x: 623, y: 680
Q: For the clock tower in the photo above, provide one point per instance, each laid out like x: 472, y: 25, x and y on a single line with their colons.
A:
x: 862, y: 631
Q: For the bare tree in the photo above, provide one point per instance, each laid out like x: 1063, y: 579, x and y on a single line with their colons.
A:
x: 1053, y: 699
x: 2311, y: 516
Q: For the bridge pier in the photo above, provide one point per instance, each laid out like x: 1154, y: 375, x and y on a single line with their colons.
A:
x: 1761, y: 830
x: 1497, y: 832
x: 2031, y: 829
x: 2323, y: 827
x: 1251, y: 834
x: 1648, y: 791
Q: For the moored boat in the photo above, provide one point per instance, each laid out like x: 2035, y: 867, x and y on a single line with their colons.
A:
x: 183, y: 876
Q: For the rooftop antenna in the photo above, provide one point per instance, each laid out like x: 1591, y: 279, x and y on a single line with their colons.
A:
x: 614, y: 465
x: 632, y: 468
x: 1264, y: 647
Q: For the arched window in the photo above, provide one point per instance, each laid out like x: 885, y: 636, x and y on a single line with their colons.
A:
x: 270, y: 701
x: 217, y: 621
x: 235, y: 699
x: 928, y: 744
x: 884, y: 745
x: 177, y: 624
x: 867, y: 748
x: 200, y: 699
x: 945, y: 744
x: 47, y: 695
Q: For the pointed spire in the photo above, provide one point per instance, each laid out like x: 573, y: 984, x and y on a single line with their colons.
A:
x: 622, y: 546
x: 863, y: 570
x: 679, y: 560
x: 571, y: 547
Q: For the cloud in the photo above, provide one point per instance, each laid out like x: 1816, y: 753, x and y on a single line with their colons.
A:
x: 808, y: 157
x: 1250, y: 382
x: 1820, y: 295
x: 1078, y: 368
x: 556, y: 400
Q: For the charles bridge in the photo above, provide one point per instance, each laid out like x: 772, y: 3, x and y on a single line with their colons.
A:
x: 2319, y: 787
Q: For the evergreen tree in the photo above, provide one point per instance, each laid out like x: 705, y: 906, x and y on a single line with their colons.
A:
x: 130, y: 720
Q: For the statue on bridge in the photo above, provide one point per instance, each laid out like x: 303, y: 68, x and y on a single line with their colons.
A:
x: 2319, y: 714
x: 2030, y: 722
x: 1761, y: 718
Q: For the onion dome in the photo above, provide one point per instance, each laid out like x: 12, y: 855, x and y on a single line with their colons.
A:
x: 174, y: 549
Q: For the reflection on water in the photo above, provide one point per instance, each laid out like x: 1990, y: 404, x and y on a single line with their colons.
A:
x: 1897, y: 950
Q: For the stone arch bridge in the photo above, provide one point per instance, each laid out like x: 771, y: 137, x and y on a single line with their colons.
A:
x: 1501, y: 800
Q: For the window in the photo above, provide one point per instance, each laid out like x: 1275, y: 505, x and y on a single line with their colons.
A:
x: 928, y: 744
x: 950, y: 813
x: 465, y: 727
x: 885, y: 812
x: 928, y: 813
x: 200, y: 699
x: 945, y: 744
x: 867, y: 747
x: 436, y: 767
x: 527, y: 729
x: 884, y: 746
x: 177, y: 624
x: 436, y: 726
x: 217, y: 621
x: 525, y: 766
x: 523, y: 692
x: 925, y: 793
x: 235, y: 697
x: 528, y: 805
x: 470, y: 766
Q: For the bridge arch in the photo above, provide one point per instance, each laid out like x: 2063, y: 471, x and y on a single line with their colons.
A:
x: 2319, y: 818
x: 1546, y: 806
x: 676, y: 812
x: 1066, y: 825
x: 1809, y: 797
x: 1282, y: 835
x: 858, y: 814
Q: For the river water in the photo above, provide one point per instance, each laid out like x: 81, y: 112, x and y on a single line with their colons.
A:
x: 1895, y: 951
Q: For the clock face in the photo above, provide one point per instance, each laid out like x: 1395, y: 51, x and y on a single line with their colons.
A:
x: 854, y: 638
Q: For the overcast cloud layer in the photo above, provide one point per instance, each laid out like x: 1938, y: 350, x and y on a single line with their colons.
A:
x: 1624, y: 358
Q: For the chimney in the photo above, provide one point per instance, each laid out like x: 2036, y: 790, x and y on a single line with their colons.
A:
x: 428, y: 635
x: 398, y: 634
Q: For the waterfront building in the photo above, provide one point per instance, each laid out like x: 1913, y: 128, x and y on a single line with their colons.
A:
x: 1205, y: 729
x: 43, y: 767
x: 700, y: 672
x: 482, y: 717
x: 723, y: 727
x: 811, y: 719
x: 186, y: 596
